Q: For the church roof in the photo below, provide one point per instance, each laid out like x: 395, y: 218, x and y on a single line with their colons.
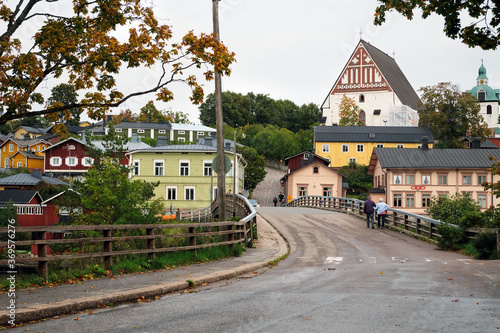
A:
x: 492, y: 95
x: 391, y: 72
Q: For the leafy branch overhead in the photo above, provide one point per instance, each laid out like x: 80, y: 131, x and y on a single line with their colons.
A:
x: 88, y: 49
x: 484, y: 17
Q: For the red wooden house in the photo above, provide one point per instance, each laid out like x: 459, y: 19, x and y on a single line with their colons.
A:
x: 300, y: 160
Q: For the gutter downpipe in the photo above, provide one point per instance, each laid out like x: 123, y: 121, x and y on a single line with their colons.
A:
x: 386, y: 185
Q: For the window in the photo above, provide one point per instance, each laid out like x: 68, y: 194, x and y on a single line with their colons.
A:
x: 380, y: 145
x: 397, y: 200
x: 400, y: 145
x: 302, y: 191
x: 11, y: 147
x: 481, y: 200
x: 182, y: 139
x: 20, y: 210
x: 71, y: 161
x: 7, y: 162
x: 361, y: 98
x: 162, y: 131
x: 19, y: 164
x: 183, y: 168
x: 426, y: 200
x: 326, y: 148
x: 352, y: 160
x: 201, y: 133
x: 466, y: 180
x: 159, y: 166
x: 181, y: 132
x: 38, y: 210
x: 207, y: 168
x: 443, y: 179
x: 315, y: 170
x: 410, y: 200
x: 140, y: 131
x: 488, y: 109
x: 137, y: 168
x: 410, y: 179
x: 55, y: 161
x: 29, y: 210
x: 361, y: 148
x: 171, y: 192
x: 376, y: 112
x: 481, y: 95
x: 87, y: 161
x: 118, y: 130
x: 398, y: 179
x: 345, y: 148
x: 188, y: 192
x: 481, y: 179
x: 426, y: 179
x: 327, y: 191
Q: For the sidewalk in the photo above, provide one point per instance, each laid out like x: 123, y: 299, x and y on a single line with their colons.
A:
x: 37, y: 303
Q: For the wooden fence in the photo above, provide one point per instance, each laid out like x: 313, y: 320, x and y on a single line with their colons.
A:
x: 229, y: 232
x: 408, y: 223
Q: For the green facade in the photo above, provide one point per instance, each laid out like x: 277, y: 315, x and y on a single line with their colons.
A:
x: 189, y: 189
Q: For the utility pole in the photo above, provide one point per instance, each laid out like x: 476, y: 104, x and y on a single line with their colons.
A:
x: 221, y: 175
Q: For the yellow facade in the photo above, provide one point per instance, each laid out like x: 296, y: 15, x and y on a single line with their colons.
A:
x: 21, y: 161
x: 11, y: 148
x: 341, y: 153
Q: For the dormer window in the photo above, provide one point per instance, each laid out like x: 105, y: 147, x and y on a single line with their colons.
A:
x: 481, y: 95
x: 315, y: 170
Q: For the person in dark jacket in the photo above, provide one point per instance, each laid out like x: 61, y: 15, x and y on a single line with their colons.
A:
x: 369, y: 210
x: 275, y: 201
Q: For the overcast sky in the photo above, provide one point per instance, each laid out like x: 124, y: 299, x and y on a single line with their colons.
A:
x: 296, y: 50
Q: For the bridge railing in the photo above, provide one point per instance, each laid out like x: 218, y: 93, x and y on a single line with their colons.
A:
x: 106, y: 237
x: 405, y: 222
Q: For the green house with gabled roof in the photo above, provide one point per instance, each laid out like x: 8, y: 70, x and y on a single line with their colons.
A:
x: 185, y: 173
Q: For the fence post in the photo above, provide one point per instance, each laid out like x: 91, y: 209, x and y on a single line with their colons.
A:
x: 178, y: 215
x: 498, y: 240
x: 43, y: 267
x: 151, y: 243
x: 107, y: 248
x: 418, y: 227
x: 192, y: 239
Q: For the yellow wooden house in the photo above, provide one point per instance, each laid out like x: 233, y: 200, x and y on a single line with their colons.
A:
x: 345, y: 144
x: 28, y: 132
x: 10, y: 149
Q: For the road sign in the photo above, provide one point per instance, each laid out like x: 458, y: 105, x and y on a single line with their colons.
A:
x: 227, y: 164
x: 289, y: 197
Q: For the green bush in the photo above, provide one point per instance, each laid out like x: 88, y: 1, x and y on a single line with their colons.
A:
x: 452, y: 238
x: 485, y: 246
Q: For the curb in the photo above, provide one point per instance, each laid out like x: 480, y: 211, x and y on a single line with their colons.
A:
x: 42, y: 311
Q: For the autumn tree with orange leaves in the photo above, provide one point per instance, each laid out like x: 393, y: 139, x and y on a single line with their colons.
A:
x: 86, y: 45
x: 349, y: 112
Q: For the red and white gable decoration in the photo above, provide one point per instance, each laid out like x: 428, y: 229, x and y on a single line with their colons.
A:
x: 361, y: 75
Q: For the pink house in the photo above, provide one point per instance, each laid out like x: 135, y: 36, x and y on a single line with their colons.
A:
x: 408, y: 178
x: 309, y: 174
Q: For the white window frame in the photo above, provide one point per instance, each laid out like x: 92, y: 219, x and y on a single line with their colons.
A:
x: 7, y: 162
x: 87, y: 161
x: 29, y: 210
x: 20, y: 210
x: 136, y: 167
x: 400, y: 145
x: 162, y: 131
x: 325, y: 148
x: 360, y: 148
x: 205, y: 168
x: 162, y: 173
x: 397, y: 179
x: 118, y: 130
x: 482, y: 200
x: 345, y: 148
x: 352, y: 159
x: 11, y: 148
x: 19, y: 164
x: 426, y: 179
x: 380, y: 145
x: 186, y: 196
x: 38, y: 210
x: 181, y: 139
x: 181, y: 168
x: 181, y: 132
x: 201, y: 133
x: 171, y: 189
x: 56, y: 161
x: 140, y: 131
x: 69, y: 158
x: 302, y: 191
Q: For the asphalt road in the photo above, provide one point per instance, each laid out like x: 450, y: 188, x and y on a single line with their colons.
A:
x: 339, y: 277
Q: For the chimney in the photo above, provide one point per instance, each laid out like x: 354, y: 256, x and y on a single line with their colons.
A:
x: 208, y: 141
x: 37, y: 174
x: 162, y: 141
x: 476, y: 143
x: 425, y: 143
x: 134, y: 137
x: 149, y: 119
x: 228, y: 145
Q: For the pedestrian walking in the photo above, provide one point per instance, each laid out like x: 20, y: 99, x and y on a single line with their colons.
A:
x: 275, y: 201
x: 369, y: 210
x: 381, y: 210
x: 281, y: 197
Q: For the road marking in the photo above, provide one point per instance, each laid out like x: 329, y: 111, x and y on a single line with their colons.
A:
x: 335, y: 260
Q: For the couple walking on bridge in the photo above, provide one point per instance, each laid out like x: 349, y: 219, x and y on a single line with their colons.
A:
x: 371, y: 208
